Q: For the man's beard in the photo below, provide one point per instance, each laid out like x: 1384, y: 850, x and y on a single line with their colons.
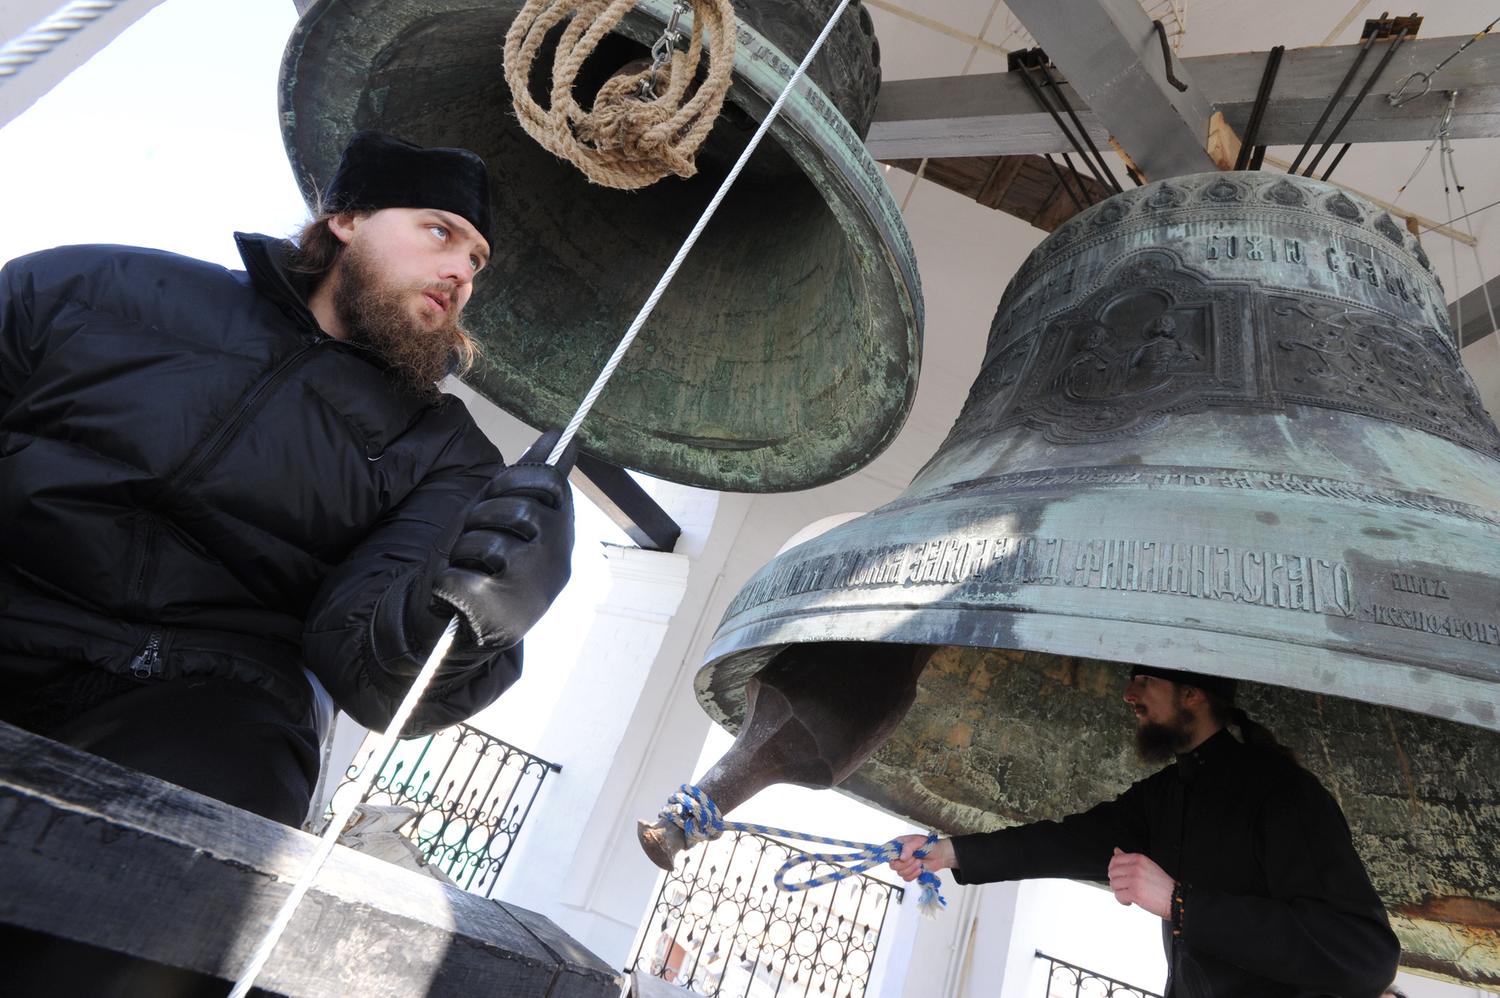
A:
x: 1158, y: 742
x: 378, y: 317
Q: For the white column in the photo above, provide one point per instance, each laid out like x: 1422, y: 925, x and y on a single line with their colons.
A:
x: 558, y: 856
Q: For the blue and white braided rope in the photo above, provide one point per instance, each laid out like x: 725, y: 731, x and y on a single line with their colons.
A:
x: 695, y: 812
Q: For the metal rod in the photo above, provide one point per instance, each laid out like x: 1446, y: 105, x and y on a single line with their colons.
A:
x: 1379, y: 68
x: 1078, y: 179
x: 1166, y: 56
x: 1338, y: 95
x: 1067, y: 106
x: 1258, y: 110
x: 1336, y: 161
x: 1063, y: 183
x: 1036, y: 92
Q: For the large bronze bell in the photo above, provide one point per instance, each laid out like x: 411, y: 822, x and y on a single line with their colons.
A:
x: 784, y: 355
x: 1221, y: 426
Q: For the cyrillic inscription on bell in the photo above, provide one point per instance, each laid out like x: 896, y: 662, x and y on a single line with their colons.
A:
x: 1221, y: 426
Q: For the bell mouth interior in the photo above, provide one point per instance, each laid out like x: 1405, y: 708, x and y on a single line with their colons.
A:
x: 758, y: 371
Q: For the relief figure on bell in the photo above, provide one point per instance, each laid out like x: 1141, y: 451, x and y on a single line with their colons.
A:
x: 1163, y: 352
x: 1096, y: 370
x: 1136, y: 347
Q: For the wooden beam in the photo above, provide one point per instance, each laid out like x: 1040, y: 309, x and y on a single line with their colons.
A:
x: 993, y: 114
x: 1112, y: 55
x: 622, y: 499
x: 1023, y: 186
x: 99, y: 854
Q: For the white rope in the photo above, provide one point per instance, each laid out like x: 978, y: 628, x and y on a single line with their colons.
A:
x: 1463, y: 203
x: 419, y: 685
x: 342, y: 812
x: 666, y: 278
x: 42, y: 37
x: 1443, y: 164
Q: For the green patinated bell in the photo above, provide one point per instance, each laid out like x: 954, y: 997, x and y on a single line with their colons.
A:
x: 1221, y: 426
x: 785, y: 353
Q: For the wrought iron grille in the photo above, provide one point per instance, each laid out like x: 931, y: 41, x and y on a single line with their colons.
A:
x: 1064, y: 980
x: 471, y: 793
x: 719, y: 926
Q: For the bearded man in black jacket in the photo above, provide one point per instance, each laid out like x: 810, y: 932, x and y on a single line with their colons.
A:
x: 223, y: 493
x: 1242, y: 854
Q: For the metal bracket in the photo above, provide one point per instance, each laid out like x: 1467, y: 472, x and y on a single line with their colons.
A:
x: 612, y: 489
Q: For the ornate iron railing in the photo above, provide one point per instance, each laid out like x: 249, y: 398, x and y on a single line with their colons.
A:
x: 719, y: 927
x: 471, y: 793
x: 1065, y: 980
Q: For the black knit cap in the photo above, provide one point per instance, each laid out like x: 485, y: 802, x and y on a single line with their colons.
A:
x: 1220, y: 686
x: 381, y: 171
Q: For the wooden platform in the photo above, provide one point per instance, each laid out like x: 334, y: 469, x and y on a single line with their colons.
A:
x: 100, y: 854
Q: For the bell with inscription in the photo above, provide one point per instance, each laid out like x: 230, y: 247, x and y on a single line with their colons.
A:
x: 1221, y: 426
x: 785, y: 353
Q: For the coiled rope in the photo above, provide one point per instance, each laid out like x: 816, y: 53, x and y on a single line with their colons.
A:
x: 424, y: 678
x: 637, y: 132
x: 695, y: 812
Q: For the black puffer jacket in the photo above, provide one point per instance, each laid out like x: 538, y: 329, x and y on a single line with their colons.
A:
x: 195, y: 480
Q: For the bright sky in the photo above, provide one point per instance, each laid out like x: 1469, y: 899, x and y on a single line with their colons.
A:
x: 167, y: 138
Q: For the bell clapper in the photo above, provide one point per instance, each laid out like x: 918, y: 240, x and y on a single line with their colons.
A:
x: 813, y: 716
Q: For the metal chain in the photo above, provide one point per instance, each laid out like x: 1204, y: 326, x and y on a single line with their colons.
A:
x: 662, y: 49
x: 1396, y: 99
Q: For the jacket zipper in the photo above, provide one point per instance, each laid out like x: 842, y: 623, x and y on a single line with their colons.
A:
x: 148, y: 662
x: 231, y: 425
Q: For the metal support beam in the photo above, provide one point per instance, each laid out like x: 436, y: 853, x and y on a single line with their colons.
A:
x: 994, y: 115
x: 622, y: 500
x: 1113, y: 56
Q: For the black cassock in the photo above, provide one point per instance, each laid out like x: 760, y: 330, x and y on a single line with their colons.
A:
x: 1275, y: 901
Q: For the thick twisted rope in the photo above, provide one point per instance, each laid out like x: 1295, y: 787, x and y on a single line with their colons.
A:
x: 695, y: 812
x: 637, y: 132
x: 429, y: 669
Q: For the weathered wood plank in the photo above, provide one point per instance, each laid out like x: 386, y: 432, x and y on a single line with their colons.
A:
x: 993, y: 113
x: 100, y: 854
x: 1023, y: 186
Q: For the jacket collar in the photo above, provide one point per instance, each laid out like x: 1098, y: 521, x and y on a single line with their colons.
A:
x: 1209, y: 756
x: 265, y: 262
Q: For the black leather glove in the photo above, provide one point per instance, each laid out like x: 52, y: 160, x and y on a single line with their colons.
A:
x: 510, y: 558
x: 514, y: 553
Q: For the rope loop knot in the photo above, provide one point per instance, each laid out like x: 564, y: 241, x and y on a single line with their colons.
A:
x: 694, y: 811
x: 638, y: 130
